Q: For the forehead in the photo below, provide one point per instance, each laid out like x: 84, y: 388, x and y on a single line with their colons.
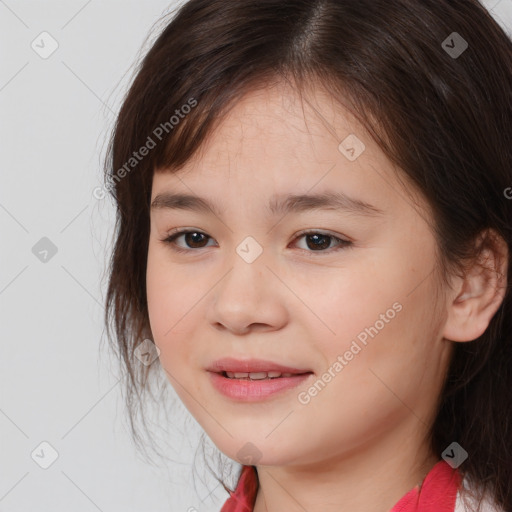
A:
x: 275, y: 142
x: 281, y: 124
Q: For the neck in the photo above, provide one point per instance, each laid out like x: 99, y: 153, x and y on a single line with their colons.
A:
x: 371, y: 480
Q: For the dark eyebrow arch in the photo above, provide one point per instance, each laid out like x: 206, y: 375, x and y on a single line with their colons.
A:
x: 278, y: 205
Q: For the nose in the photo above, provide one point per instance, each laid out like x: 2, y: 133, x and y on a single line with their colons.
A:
x: 248, y: 297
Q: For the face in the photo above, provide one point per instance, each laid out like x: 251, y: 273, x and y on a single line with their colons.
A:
x: 353, y: 301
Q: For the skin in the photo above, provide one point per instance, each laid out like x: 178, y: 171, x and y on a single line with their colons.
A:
x: 368, y: 427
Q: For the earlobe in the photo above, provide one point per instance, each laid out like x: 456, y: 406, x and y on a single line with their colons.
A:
x: 473, y: 303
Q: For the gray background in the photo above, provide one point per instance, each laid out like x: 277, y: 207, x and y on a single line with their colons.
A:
x: 58, y: 383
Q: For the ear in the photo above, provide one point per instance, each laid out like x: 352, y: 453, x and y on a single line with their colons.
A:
x: 478, y: 295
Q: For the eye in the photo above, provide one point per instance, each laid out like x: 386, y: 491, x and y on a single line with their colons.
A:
x: 315, y: 240
x: 192, y: 237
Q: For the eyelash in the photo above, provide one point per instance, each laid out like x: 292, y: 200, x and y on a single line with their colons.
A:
x: 343, y: 244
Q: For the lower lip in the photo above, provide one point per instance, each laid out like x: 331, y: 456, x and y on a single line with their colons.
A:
x: 254, y: 390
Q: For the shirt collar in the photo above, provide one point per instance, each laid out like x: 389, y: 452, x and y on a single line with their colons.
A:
x: 437, y: 492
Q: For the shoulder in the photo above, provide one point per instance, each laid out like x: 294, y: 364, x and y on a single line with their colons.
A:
x: 467, y: 502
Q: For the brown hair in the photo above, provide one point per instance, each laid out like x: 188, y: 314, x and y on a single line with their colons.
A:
x: 445, y: 120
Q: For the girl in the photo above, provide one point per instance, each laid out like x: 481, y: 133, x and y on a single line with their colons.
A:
x: 314, y: 206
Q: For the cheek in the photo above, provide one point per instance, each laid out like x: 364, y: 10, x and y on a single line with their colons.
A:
x: 168, y: 302
x: 176, y: 304
x: 378, y: 315
x: 157, y: 293
x: 339, y: 303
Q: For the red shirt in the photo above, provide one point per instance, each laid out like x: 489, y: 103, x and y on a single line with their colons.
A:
x: 438, y: 492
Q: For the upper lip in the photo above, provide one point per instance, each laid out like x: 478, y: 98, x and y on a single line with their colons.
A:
x: 229, y: 364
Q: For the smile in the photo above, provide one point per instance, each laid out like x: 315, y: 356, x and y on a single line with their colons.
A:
x: 254, y: 387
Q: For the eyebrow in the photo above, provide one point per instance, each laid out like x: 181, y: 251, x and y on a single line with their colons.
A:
x: 278, y: 204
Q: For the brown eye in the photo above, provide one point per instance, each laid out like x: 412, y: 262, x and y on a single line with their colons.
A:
x: 193, y: 240
x: 316, y: 242
x: 320, y: 242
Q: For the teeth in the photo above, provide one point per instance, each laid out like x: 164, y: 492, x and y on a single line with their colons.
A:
x: 256, y: 375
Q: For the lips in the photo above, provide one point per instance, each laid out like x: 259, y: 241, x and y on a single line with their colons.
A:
x: 254, y: 368
x: 256, y: 386
x: 257, y: 375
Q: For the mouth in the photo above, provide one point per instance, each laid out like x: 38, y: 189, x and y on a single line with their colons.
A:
x: 255, y: 369
x: 260, y: 375
x: 255, y: 380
